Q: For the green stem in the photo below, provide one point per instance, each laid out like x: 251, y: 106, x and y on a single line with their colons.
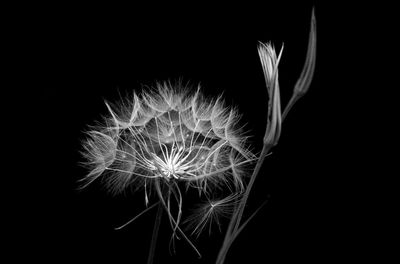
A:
x: 155, y: 234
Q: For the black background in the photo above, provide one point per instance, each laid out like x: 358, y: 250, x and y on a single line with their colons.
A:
x: 80, y: 58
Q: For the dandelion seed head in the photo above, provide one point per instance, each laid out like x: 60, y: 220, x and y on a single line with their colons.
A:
x: 171, y: 134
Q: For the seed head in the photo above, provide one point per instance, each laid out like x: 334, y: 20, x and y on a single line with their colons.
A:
x: 169, y: 134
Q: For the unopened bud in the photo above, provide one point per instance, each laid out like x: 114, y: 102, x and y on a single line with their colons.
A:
x: 270, y: 62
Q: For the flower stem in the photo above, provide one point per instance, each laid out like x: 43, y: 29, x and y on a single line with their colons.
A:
x: 155, y: 234
x: 234, y: 224
x: 300, y: 89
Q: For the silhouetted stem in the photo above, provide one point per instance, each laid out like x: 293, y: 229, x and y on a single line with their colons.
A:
x: 234, y: 225
x: 154, y: 237
x: 301, y: 88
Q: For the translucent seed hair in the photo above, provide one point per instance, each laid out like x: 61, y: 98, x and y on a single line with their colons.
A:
x: 169, y: 140
x: 170, y: 134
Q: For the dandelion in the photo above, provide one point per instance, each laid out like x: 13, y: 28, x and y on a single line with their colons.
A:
x: 169, y: 140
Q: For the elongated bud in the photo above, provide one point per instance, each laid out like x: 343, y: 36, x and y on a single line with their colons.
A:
x: 303, y: 83
x: 306, y: 76
x: 270, y: 62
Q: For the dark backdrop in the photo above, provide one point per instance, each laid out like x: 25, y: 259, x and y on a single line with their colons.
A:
x: 85, y: 56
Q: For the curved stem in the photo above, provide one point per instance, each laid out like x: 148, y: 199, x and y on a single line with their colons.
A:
x: 155, y: 234
x: 300, y: 89
x: 234, y: 224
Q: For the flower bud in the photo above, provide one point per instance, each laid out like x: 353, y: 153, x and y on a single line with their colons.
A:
x: 270, y: 62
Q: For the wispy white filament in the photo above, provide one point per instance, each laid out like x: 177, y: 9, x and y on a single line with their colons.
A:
x: 167, y: 138
x: 168, y: 134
